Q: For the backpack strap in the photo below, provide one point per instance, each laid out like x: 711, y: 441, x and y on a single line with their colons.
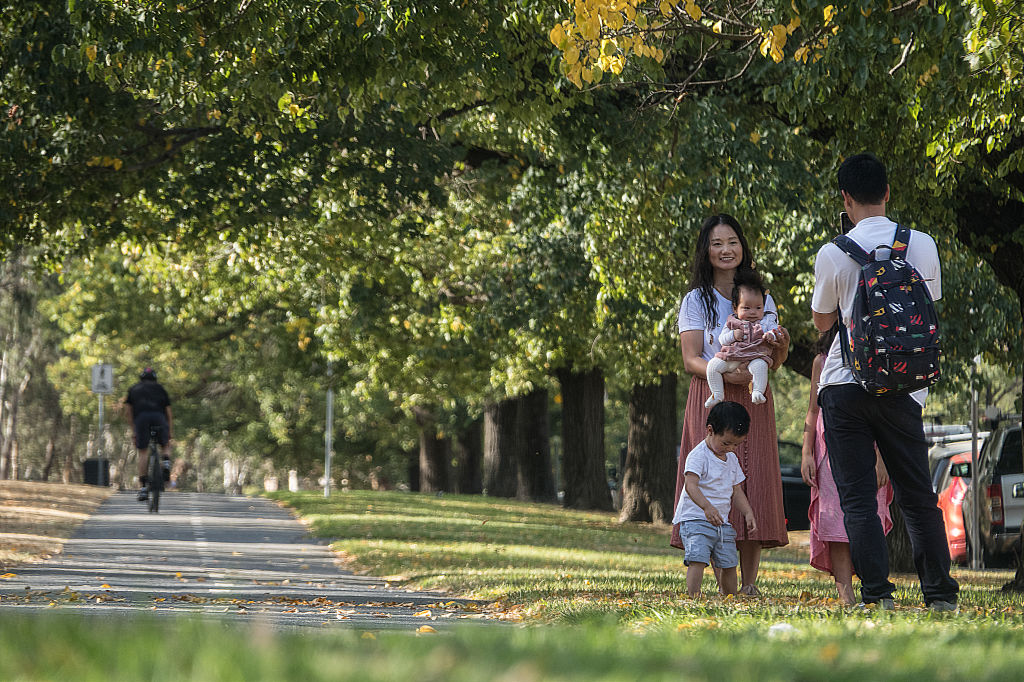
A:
x: 852, y: 249
x: 900, y: 242
x: 861, y: 257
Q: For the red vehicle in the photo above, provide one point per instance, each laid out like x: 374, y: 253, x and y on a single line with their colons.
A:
x: 951, y: 490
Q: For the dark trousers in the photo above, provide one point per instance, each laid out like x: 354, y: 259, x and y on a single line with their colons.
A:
x: 854, y: 422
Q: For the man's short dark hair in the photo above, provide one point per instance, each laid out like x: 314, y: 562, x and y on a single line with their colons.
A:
x: 863, y: 177
x: 729, y: 416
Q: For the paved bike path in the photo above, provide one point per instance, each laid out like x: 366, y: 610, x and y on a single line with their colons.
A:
x: 216, y: 555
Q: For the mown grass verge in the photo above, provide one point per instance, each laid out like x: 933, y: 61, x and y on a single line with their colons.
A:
x: 36, y: 518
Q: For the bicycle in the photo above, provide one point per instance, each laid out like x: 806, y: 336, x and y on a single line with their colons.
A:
x: 154, y: 471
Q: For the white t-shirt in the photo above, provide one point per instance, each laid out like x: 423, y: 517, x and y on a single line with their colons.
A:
x: 716, y: 481
x: 691, y: 316
x: 835, y: 283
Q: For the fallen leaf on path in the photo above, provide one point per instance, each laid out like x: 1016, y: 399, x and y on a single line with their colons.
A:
x: 8, y: 576
x: 425, y: 628
x: 422, y: 614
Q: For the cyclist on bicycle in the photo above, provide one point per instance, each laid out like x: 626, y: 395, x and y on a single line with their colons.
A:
x: 149, y: 406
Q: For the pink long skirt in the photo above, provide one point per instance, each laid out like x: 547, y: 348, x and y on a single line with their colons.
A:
x: 825, y: 514
x: 758, y: 457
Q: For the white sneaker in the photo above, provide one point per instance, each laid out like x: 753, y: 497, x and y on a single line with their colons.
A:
x: 757, y: 397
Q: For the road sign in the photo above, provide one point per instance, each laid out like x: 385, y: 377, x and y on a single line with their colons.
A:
x: 102, y: 379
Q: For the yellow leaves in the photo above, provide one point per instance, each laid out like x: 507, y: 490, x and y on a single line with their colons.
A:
x: 360, y: 17
x: 425, y: 629
x: 793, y: 25
x: 773, y: 42
x: 829, y: 14
x: 801, y: 54
x: 597, y: 39
x: 558, y: 36
x: 425, y: 613
x: 90, y: 52
x: 105, y: 162
x: 8, y: 576
x: 755, y: 137
x: 696, y: 13
x: 927, y: 75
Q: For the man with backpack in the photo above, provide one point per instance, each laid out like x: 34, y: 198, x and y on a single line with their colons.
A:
x: 880, y: 283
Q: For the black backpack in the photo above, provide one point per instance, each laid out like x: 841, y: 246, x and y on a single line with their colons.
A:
x: 892, y: 340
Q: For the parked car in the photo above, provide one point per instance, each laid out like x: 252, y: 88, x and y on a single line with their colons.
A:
x: 796, y: 495
x: 944, y: 447
x: 951, y: 491
x: 1001, y: 473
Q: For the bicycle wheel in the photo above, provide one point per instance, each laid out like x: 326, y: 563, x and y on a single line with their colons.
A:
x: 156, y: 480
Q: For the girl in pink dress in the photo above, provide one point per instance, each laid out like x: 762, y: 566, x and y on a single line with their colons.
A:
x: 830, y: 548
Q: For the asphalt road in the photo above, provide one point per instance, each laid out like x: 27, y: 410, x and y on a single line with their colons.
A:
x: 217, y: 556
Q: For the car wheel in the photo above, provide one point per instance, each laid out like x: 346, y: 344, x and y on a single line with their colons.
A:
x: 989, y: 559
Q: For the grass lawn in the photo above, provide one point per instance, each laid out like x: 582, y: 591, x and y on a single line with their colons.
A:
x: 36, y: 518
x: 594, y: 599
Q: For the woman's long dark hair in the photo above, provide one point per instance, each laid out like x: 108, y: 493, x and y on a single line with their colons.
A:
x: 703, y: 277
x: 826, y: 338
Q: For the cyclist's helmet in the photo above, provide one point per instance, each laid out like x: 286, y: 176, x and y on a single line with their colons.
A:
x: 148, y: 374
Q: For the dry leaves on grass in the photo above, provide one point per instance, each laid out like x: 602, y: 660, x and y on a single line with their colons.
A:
x: 36, y: 518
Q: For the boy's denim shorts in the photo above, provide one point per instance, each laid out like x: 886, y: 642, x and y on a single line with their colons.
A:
x: 703, y: 542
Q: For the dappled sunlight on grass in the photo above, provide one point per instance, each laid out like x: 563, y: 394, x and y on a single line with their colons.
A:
x: 548, y: 564
x: 36, y: 518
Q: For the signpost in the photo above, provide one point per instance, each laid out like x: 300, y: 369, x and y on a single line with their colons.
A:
x: 102, y: 384
x: 329, y: 431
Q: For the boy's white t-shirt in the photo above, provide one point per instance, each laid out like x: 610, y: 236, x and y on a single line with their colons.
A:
x: 717, y: 479
x: 691, y: 317
x: 835, y: 283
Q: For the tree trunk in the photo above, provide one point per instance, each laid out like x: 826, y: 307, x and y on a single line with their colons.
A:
x: 9, y: 449
x: 434, y: 455
x: 67, y: 473
x: 648, y: 483
x: 468, y: 453
x: 501, y: 448
x: 901, y: 555
x: 583, y: 460
x: 536, y: 479
x: 51, y: 450
x: 414, y: 470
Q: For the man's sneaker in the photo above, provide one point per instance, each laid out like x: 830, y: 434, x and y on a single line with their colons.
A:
x: 143, y: 495
x: 883, y: 604
x: 942, y: 605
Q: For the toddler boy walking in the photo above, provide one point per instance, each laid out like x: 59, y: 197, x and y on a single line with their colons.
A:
x: 712, y: 485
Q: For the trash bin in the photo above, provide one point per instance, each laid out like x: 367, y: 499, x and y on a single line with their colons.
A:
x: 96, y: 472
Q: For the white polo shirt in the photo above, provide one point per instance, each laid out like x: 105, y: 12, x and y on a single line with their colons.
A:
x: 835, y: 282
